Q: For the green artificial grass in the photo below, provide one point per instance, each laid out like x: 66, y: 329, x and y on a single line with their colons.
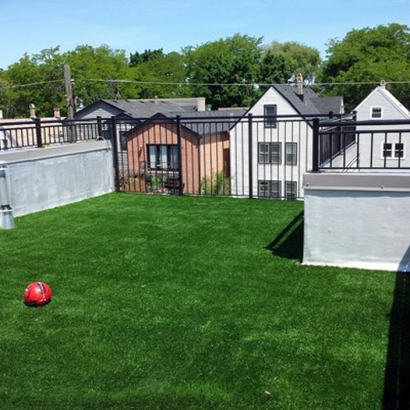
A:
x: 167, y: 302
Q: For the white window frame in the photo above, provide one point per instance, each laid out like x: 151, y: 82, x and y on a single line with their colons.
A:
x: 271, y: 155
x: 162, y: 156
x: 273, y: 189
x: 372, y: 112
x: 291, y: 153
x: 291, y: 189
x: 394, y: 150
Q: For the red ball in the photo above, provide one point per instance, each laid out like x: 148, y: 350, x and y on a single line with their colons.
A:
x: 37, y: 294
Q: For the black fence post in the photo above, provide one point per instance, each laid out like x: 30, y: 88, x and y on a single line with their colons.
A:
x: 179, y: 141
x: 250, y: 155
x: 115, y: 154
x: 99, y: 127
x: 39, y: 139
x: 315, y: 152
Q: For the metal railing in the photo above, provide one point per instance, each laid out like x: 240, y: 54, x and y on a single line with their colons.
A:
x: 37, y: 133
x: 350, y: 145
x: 214, y: 153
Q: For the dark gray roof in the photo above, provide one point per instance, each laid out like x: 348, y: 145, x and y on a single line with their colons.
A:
x: 326, y: 104
x: 207, y: 122
x: 200, y: 122
x: 148, y: 108
x: 309, y: 102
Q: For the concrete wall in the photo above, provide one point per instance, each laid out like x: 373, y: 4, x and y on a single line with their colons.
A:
x: 39, y: 179
x: 359, y: 220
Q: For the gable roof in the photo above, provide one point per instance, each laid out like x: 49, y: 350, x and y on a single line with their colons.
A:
x: 381, y: 89
x: 213, y: 121
x: 309, y: 102
x: 146, y: 108
x: 201, y: 123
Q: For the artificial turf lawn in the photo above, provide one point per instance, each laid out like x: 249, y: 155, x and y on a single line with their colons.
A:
x: 167, y: 302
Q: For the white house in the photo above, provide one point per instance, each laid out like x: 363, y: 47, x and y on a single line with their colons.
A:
x: 271, y: 146
x: 382, y: 145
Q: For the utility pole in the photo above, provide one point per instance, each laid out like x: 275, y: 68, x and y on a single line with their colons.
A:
x: 70, y: 102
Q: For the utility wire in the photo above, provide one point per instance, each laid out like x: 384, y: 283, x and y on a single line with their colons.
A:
x: 3, y: 87
x: 110, y: 81
x: 241, y: 84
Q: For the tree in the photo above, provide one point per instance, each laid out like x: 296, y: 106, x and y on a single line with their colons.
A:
x: 161, y: 75
x: 39, y: 79
x: 296, y: 58
x: 223, y: 71
x: 34, y: 80
x: 148, y: 55
x: 362, y: 59
x: 101, y: 73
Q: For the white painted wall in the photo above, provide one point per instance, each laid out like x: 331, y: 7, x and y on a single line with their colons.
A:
x: 392, y: 109
x: 40, y: 179
x: 357, y: 220
x: 287, y: 130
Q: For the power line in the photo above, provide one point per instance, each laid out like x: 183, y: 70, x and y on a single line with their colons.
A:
x: 4, y: 87
x: 111, y: 81
x: 240, y: 84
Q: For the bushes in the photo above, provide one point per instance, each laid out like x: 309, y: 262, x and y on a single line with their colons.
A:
x: 217, y: 184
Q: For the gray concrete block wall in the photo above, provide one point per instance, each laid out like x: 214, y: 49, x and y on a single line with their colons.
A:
x: 40, y: 179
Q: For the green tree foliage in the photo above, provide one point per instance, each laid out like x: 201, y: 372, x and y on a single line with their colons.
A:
x: 39, y: 79
x: 234, y: 60
x: 161, y: 75
x: 34, y: 80
x: 296, y: 58
x: 227, y: 72
x: 96, y: 73
x: 148, y: 55
x: 368, y: 56
x: 244, y: 60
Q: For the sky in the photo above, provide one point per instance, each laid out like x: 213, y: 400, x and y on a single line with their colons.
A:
x: 135, y: 25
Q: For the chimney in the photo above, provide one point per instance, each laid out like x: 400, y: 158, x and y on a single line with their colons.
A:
x: 32, y: 110
x: 201, y: 104
x: 57, y: 112
x: 299, y: 82
x: 383, y: 84
x: 1, y: 114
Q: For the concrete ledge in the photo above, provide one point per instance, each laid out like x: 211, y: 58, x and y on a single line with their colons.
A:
x: 355, y: 181
x: 43, y: 178
x: 357, y: 220
x: 34, y: 154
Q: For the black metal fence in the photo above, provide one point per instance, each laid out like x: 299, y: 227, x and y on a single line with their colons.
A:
x: 215, y: 153
x: 361, y: 145
x: 37, y: 133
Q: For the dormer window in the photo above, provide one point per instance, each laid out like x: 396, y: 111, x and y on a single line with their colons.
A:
x: 376, y: 112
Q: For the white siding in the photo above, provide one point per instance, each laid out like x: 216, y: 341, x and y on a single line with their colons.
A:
x: 392, y: 109
x: 289, y: 130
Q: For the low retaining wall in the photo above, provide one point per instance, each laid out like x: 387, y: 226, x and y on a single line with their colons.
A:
x: 43, y: 178
x: 359, y: 220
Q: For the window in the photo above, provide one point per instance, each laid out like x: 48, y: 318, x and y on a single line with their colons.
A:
x: 387, y: 150
x: 263, y: 153
x: 269, y: 153
x: 269, y: 189
x: 123, y: 140
x: 376, y: 112
x: 291, y: 153
x: 290, y: 189
x: 163, y: 157
x: 270, y: 112
x: 398, y: 150
x: 393, y: 150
